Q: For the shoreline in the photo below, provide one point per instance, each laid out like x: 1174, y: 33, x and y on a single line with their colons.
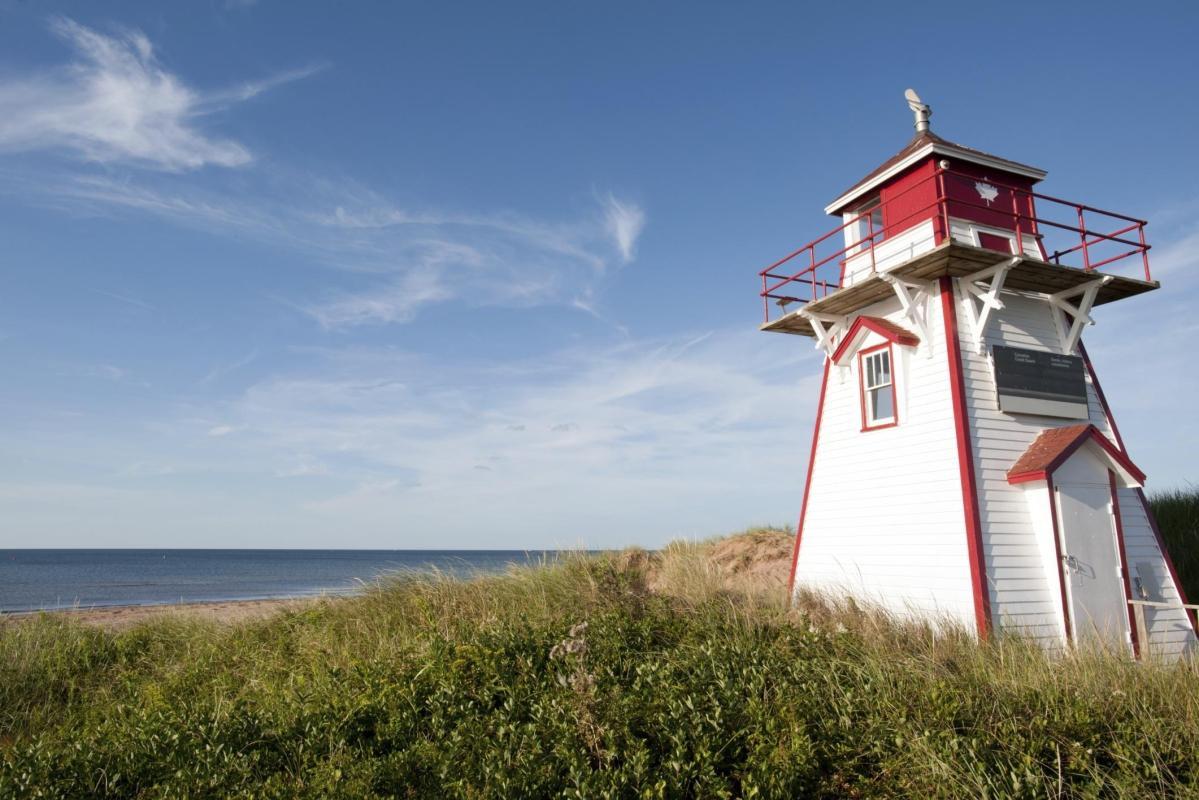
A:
x: 221, y: 611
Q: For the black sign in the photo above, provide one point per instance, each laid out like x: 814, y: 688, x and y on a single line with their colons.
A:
x: 1036, y: 382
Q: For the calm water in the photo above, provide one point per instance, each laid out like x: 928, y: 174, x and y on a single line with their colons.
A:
x: 48, y: 579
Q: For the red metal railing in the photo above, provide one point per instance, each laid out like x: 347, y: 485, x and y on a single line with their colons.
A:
x: 1064, y: 233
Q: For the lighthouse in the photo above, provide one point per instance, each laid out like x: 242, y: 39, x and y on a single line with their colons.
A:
x: 965, y: 465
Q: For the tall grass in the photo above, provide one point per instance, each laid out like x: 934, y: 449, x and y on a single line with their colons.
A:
x: 629, y: 675
x: 1177, y: 515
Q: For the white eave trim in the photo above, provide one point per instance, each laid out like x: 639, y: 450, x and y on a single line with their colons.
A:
x: 919, y: 155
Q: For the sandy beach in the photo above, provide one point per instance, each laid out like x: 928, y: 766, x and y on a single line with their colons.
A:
x: 225, y: 611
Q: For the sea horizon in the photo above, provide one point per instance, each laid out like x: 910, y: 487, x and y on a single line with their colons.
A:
x: 57, y: 579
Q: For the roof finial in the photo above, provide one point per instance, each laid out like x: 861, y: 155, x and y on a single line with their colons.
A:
x: 920, y: 109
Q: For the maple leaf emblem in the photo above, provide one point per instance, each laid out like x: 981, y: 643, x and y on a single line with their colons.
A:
x: 986, y: 191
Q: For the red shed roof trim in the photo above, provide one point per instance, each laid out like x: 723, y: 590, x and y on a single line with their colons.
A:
x: 923, y: 145
x: 883, y: 327
x: 1054, y: 446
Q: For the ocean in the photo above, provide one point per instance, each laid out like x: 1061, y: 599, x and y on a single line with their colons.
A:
x: 32, y: 580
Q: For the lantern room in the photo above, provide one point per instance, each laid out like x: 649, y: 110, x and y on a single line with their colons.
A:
x: 895, y: 212
x: 937, y: 208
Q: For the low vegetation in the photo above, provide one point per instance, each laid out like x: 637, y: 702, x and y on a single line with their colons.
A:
x: 1177, y: 515
x: 673, y: 674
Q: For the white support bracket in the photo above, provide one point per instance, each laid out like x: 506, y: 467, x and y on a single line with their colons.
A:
x: 984, y: 286
x: 828, y: 329
x: 1079, y: 316
x: 913, y: 298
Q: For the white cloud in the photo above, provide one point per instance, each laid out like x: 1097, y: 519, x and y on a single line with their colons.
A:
x: 401, y: 261
x: 222, y: 370
x: 106, y: 371
x: 223, y: 430
x: 116, y: 103
x: 395, y: 301
x: 624, y: 222
x: 702, y: 432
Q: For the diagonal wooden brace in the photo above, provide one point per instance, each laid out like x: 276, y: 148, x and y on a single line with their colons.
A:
x: 828, y: 329
x: 913, y: 299
x: 987, y: 294
x: 1071, y: 318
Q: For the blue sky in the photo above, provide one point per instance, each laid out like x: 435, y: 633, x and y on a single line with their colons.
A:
x: 438, y: 275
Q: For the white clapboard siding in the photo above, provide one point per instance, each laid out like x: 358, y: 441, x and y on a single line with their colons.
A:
x: 1170, y: 632
x: 884, y: 520
x: 1021, y: 598
x: 1021, y: 567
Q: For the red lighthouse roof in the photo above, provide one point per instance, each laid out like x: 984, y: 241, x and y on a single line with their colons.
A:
x: 924, y: 145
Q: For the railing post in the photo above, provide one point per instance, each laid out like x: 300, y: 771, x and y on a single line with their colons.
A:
x: 1082, y: 232
x: 1142, y: 630
x: 942, y: 207
x: 1016, y: 220
x: 1144, y: 249
x: 870, y: 230
x: 812, y: 270
x: 765, y: 301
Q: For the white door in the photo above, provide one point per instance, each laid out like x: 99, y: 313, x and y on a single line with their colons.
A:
x: 1091, y: 562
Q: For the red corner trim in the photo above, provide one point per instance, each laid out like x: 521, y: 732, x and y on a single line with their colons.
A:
x: 1107, y: 412
x: 807, y: 486
x: 1157, y: 534
x: 1132, y: 621
x: 1061, y: 568
x: 974, y: 541
x: 884, y: 328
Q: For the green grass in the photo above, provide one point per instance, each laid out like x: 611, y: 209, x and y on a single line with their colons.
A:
x: 575, y: 680
x: 1177, y: 514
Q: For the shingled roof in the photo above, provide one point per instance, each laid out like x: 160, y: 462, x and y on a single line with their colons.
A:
x: 1054, y: 446
x: 883, y: 327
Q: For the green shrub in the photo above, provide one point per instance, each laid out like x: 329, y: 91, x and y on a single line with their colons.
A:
x: 1177, y: 515
x: 572, y: 680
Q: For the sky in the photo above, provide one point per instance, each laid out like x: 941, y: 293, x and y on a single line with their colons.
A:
x: 434, y: 275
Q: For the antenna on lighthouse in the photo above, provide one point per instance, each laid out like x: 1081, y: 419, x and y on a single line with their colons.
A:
x: 921, y: 109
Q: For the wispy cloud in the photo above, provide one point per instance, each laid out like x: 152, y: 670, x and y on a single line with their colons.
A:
x: 106, y: 371
x: 405, y: 260
x: 126, y: 299
x: 577, y: 434
x: 397, y: 300
x: 624, y: 222
x: 117, y: 103
x: 223, y: 430
x: 221, y: 370
x: 500, y: 259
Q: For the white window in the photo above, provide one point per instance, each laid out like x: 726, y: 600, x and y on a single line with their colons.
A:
x: 878, y: 388
x: 864, y: 222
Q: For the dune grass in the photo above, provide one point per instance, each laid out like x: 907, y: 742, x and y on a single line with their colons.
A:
x: 626, y: 675
x: 1177, y: 515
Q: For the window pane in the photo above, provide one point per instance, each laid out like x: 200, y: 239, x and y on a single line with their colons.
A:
x: 869, y: 364
x: 884, y: 367
x: 882, y: 406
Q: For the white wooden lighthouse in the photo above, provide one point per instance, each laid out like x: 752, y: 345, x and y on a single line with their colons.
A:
x: 965, y: 464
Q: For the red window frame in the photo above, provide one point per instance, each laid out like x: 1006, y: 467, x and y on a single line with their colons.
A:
x: 862, y: 354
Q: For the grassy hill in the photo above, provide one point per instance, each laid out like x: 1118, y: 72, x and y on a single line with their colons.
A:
x: 679, y: 674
